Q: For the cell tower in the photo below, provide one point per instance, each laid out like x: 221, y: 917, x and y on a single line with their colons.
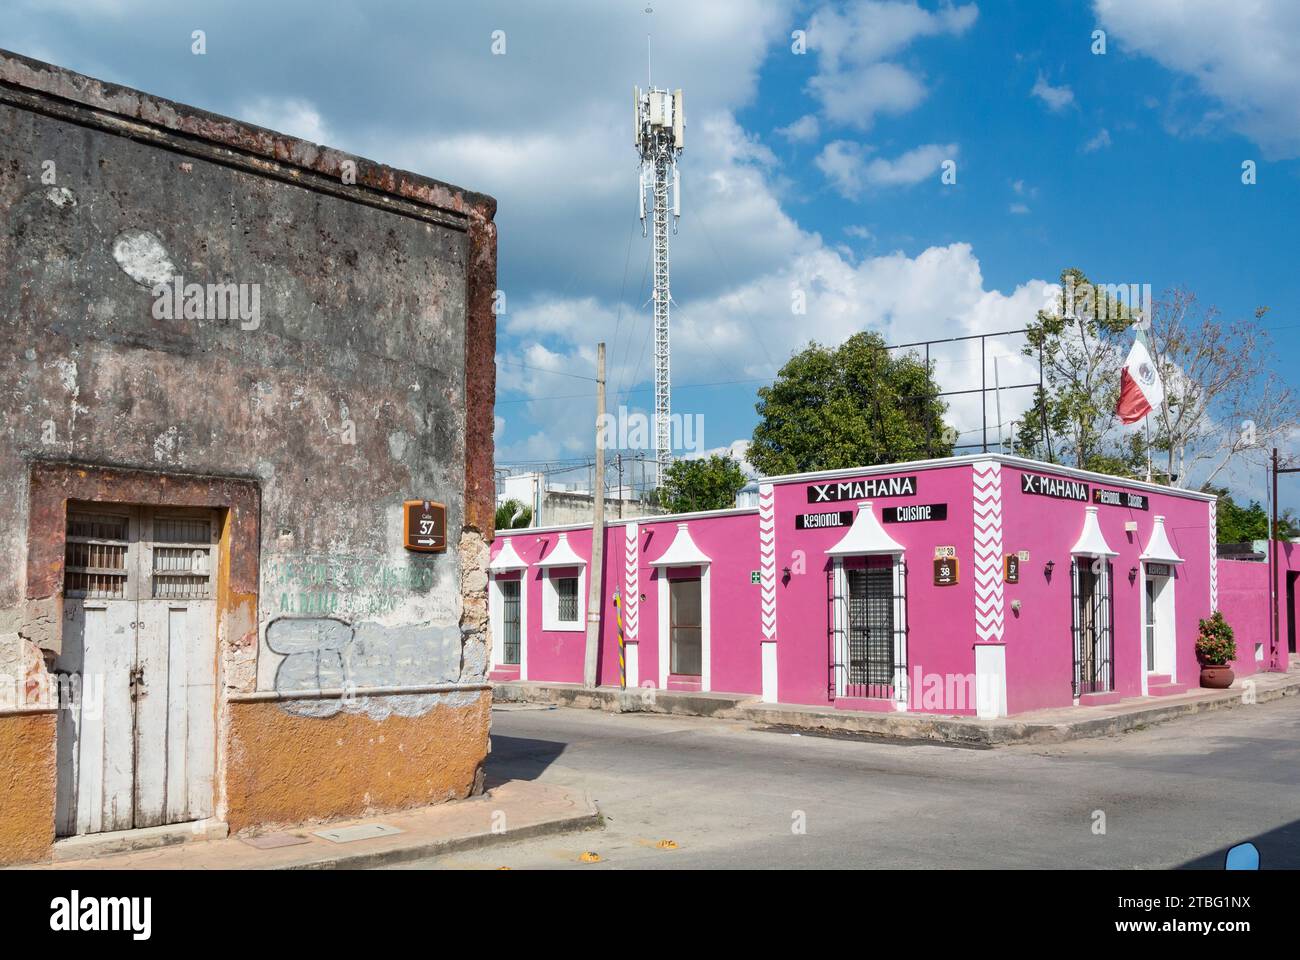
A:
x: 660, y: 123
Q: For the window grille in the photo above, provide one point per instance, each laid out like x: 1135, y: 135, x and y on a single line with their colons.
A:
x: 1092, y: 616
x: 182, y: 572
x: 566, y: 590
x: 181, y: 530
x: 510, y: 620
x: 871, y: 632
x: 95, y: 556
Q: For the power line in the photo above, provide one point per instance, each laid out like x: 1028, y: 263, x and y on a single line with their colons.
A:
x: 558, y: 373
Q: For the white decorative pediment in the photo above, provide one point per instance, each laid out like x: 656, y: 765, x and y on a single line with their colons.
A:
x: 1091, y: 543
x: 507, y: 559
x: 682, y: 552
x: 562, y: 555
x: 865, y: 537
x: 1159, y: 549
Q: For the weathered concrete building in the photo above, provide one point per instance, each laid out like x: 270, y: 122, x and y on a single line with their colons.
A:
x: 228, y: 358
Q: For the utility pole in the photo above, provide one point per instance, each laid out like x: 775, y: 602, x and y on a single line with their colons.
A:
x: 595, y: 577
x: 1275, y: 635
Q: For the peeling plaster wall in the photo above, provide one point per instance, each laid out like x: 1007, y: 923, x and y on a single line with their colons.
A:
x: 363, y: 377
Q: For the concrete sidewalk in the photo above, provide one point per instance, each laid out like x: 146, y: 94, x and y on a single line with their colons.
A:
x: 1041, y: 726
x: 515, y: 810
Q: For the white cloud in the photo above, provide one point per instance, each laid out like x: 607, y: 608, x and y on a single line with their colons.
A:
x: 852, y: 170
x: 1056, y: 98
x: 804, y: 130
x: 1018, y: 208
x: 296, y: 117
x: 545, y: 129
x: 855, y: 82
x: 1102, y: 139
x: 1243, y: 55
x: 748, y: 329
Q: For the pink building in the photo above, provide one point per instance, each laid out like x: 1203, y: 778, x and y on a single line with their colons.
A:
x: 1243, y: 596
x: 984, y: 585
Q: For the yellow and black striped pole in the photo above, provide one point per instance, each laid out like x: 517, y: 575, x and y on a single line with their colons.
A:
x: 622, y: 657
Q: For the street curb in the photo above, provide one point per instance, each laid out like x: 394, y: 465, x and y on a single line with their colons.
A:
x: 586, y: 817
x: 610, y: 700
x: 993, y: 733
x: 589, y: 820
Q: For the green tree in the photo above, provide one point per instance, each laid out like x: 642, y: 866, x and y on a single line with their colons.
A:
x: 1083, y: 341
x: 855, y: 405
x: 1241, y: 524
x: 513, y: 515
x: 710, y: 483
x: 1222, y: 402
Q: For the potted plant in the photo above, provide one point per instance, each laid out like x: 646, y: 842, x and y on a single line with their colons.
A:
x: 1216, y: 648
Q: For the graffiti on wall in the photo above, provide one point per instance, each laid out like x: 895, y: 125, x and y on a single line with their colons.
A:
x: 341, y: 585
x: 324, y: 653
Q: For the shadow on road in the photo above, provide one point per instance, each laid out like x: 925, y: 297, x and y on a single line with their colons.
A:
x: 1278, y: 850
x: 519, y: 758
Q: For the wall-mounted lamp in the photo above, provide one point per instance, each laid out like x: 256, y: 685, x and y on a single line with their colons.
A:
x: 1132, y: 574
x: 1047, y: 569
x: 1015, y: 607
x: 785, y: 575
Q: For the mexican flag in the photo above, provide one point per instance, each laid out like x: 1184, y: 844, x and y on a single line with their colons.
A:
x: 1140, y: 389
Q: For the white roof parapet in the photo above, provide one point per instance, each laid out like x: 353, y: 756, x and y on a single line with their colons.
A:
x: 1091, y: 543
x: 507, y: 559
x: 1021, y: 463
x: 682, y: 552
x: 1159, y: 549
x: 866, y: 536
x: 562, y: 555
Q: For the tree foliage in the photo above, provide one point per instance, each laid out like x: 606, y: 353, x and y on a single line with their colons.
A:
x: 855, y: 405
x: 1242, y: 524
x: 1222, y: 401
x: 1082, y: 343
x: 709, y: 483
x: 513, y: 515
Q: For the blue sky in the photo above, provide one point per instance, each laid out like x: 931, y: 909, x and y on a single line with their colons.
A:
x: 817, y: 172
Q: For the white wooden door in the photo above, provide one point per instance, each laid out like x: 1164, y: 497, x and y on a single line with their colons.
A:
x: 136, y: 744
x: 176, y: 660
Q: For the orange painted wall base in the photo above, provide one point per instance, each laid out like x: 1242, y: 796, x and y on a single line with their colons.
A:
x: 27, y: 785
x: 288, y: 769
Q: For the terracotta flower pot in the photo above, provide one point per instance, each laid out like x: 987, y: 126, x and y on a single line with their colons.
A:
x: 1216, y: 676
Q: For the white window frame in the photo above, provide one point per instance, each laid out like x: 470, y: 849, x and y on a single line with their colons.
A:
x: 1165, y: 618
x: 665, y: 626
x: 496, y: 614
x: 551, y: 600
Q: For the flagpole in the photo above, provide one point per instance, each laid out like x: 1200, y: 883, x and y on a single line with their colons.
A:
x: 1146, y: 422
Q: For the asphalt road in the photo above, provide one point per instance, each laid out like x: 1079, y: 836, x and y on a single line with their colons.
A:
x: 730, y: 796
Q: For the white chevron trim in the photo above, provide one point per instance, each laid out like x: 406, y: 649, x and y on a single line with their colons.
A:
x: 1214, y: 555
x: 986, y: 497
x: 767, y: 557
x: 631, y: 583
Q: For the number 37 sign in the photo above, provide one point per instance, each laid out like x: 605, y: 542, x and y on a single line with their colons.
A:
x: 424, y: 526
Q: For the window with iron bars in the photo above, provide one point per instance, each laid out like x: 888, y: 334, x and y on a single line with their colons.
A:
x: 566, y: 592
x: 1092, y: 615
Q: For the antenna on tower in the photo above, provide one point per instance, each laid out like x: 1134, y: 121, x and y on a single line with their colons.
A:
x: 660, y: 124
